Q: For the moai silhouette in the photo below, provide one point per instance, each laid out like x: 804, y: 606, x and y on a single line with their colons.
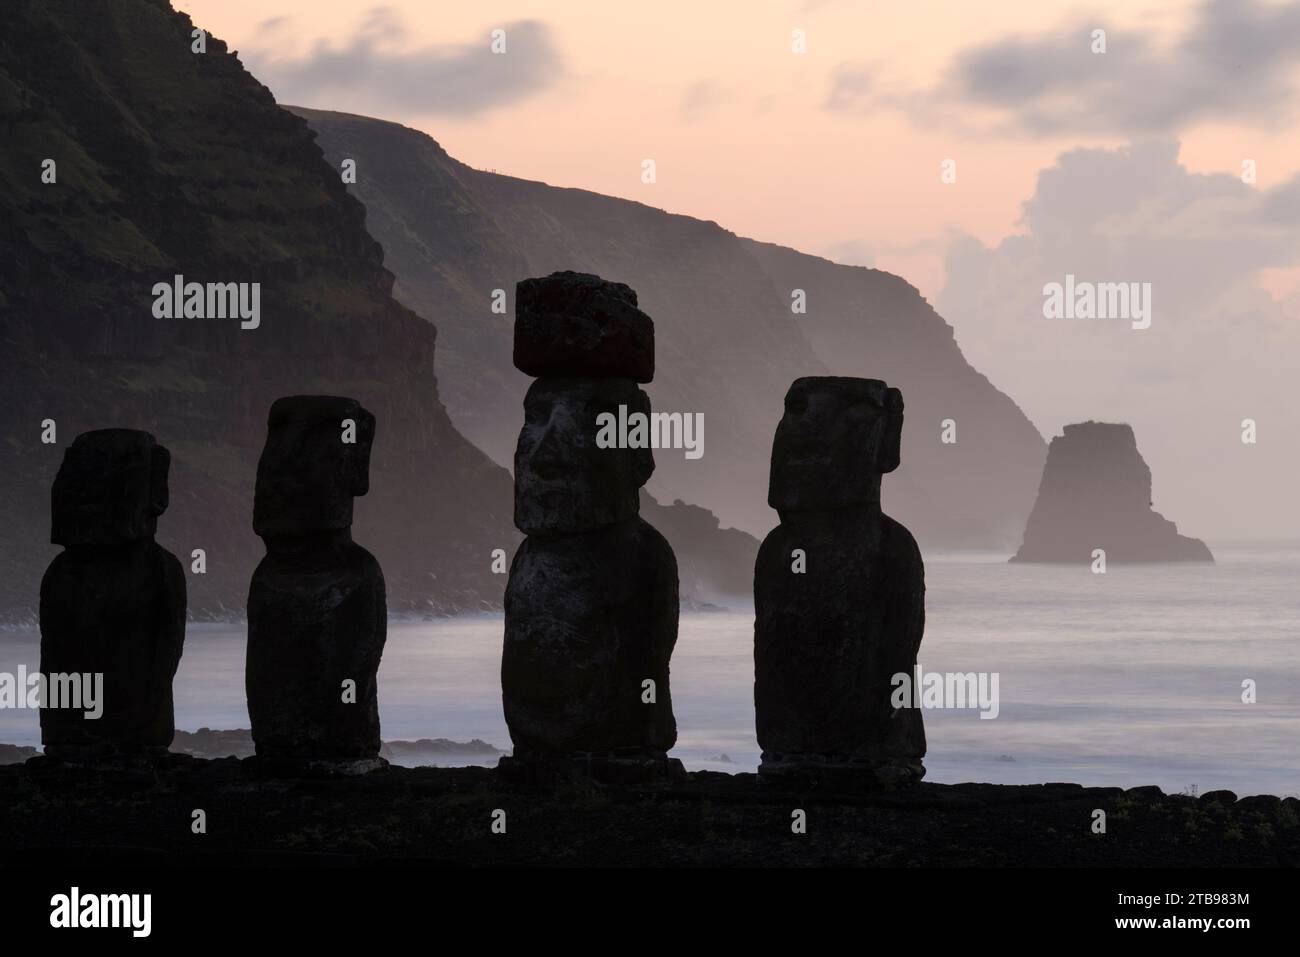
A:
x: 591, y: 605
x: 317, y: 615
x: 113, y: 601
x: 839, y: 594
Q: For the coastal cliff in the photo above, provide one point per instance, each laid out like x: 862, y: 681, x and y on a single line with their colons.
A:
x: 728, y: 336
x: 167, y: 162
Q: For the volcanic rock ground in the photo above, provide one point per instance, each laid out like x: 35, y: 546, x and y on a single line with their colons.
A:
x: 443, y: 816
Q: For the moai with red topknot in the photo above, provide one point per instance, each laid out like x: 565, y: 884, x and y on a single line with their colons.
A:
x: 592, y: 601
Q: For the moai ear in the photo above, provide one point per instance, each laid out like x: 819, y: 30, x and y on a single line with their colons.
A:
x: 643, y: 460
x: 892, y: 438
x: 160, y: 461
x: 358, y: 461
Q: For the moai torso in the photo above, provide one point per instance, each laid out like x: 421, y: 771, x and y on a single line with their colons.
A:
x: 592, y: 602
x: 838, y: 589
x: 317, y: 615
x: 588, y: 619
x: 113, y: 602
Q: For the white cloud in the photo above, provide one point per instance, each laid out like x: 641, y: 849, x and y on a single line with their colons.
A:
x: 1219, y: 349
x: 373, y: 73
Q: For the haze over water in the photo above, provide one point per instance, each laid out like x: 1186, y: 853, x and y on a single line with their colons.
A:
x: 1132, y: 677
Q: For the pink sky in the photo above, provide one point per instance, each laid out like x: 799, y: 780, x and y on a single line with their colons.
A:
x: 758, y: 152
x: 1119, y: 166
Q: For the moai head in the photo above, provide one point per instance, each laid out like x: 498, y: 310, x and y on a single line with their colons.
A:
x: 564, y: 482
x: 836, y: 439
x: 315, y: 461
x: 589, y: 345
x: 110, y: 489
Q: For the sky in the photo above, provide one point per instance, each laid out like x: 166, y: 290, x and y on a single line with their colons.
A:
x: 828, y: 125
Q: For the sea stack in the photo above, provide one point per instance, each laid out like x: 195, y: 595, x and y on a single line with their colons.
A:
x: 1096, y: 494
x: 112, y: 603
x: 592, y: 602
x: 317, y: 616
x: 839, y: 595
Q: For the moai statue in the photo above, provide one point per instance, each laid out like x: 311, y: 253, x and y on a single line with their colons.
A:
x: 317, y: 613
x: 839, y: 594
x: 112, y: 603
x: 591, y: 605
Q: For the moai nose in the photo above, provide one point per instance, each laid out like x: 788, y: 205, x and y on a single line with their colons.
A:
x: 549, y: 456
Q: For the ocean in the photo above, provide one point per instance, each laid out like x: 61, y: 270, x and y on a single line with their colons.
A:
x: 1130, y: 677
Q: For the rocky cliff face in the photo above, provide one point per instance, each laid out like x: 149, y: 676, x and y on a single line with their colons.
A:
x: 728, y: 343
x: 970, y: 487
x: 1096, y: 493
x: 173, y: 162
x: 714, y: 565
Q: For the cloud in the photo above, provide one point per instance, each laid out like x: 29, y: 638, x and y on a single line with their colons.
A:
x: 851, y: 252
x: 373, y: 73
x: 1235, y: 62
x: 699, y: 100
x: 851, y: 88
x: 1219, y: 348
